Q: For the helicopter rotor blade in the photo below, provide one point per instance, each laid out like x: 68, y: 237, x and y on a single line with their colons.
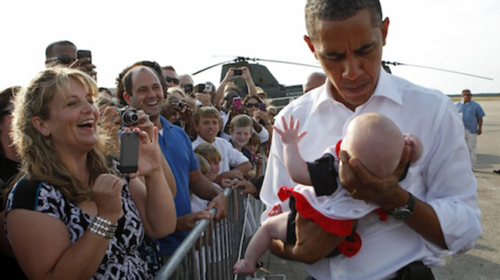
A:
x: 434, y: 68
x: 212, y: 66
x: 285, y: 62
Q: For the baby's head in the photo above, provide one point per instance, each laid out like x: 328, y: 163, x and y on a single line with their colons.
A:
x: 376, y: 141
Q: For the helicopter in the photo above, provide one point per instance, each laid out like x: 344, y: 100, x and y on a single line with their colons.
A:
x: 281, y: 94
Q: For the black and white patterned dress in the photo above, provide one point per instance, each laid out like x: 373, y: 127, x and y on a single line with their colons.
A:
x: 122, y: 259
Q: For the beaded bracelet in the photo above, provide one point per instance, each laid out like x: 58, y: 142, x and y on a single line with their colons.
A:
x: 103, y: 227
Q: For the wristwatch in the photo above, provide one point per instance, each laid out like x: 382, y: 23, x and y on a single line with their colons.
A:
x: 404, y: 212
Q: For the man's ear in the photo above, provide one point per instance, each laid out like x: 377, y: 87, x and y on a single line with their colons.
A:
x: 41, y: 126
x: 126, y: 96
x: 197, y: 128
x: 385, y: 29
x: 310, y: 45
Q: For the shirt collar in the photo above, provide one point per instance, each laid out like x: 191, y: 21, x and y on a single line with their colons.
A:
x: 201, y: 140
x: 386, y: 87
x: 165, y: 124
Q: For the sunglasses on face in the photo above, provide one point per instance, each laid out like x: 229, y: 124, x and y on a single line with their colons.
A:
x: 255, y: 105
x: 172, y: 80
x: 6, y: 112
x: 63, y: 59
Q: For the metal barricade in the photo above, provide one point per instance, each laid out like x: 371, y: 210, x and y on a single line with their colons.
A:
x: 212, y: 248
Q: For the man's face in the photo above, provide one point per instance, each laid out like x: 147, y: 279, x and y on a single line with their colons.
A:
x: 147, y: 93
x: 62, y: 55
x: 466, y: 96
x: 350, y: 53
x: 171, y: 77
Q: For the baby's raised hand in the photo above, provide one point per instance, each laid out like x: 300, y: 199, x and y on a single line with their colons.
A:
x: 290, y: 133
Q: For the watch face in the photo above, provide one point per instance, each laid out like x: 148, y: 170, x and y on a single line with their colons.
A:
x: 401, y: 215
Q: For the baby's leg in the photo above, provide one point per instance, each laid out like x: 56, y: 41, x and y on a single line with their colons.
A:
x: 273, y: 228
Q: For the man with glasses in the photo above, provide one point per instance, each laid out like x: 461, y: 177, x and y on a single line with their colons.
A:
x: 187, y: 83
x: 63, y: 54
x: 472, y: 115
x: 170, y: 76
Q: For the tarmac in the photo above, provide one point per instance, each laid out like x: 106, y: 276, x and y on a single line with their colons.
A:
x: 480, y: 263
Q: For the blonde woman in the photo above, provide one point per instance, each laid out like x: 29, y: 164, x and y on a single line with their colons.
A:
x: 72, y: 215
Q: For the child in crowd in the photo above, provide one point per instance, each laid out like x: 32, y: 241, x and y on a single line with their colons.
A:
x: 209, y: 158
x: 241, y: 132
x: 372, y: 138
x: 233, y: 164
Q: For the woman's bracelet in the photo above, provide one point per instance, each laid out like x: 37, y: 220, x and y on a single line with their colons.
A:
x: 103, y: 227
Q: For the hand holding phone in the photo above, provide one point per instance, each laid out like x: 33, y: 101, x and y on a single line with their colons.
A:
x: 237, y: 72
x: 200, y: 88
x: 84, y: 54
x: 129, y: 152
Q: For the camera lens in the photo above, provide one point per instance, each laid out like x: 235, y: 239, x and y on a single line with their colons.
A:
x: 129, y: 117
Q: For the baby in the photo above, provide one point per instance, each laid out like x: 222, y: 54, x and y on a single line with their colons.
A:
x: 372, y: 138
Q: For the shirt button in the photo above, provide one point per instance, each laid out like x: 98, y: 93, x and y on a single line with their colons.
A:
x: 337, y: 270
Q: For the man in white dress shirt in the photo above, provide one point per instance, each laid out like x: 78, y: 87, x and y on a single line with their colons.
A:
x: 433, y: 212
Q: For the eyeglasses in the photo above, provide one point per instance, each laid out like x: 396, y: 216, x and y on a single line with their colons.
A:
x: 63, y: 59
x: 170, y: 79
x: 468, y: 94
x: 248, y: 105
x: 6, y: 112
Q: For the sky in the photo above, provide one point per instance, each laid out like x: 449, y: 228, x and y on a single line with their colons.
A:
x: 457, y: 35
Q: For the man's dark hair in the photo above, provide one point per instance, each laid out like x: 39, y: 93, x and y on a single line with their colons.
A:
x: 124, y: 81
x: 168, y: 67
x: 338, y: 10
x: 48, y: 50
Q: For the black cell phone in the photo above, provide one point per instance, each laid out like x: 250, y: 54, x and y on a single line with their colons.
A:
x: 262, y: 107
x: 84, y: 53
x: 129, y: 152
x: 237, y: 72
x: 200, y: 88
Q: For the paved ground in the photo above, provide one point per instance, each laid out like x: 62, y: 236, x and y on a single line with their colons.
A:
x: 482, y: 262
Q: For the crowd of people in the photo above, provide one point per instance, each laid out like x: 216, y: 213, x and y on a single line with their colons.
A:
x: 56, y: 168
x: 70, y: 209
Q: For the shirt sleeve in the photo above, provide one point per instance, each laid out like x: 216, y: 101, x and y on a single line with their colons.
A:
x: 263, y: 135
x: 323, y: 175
x: 451, y: 185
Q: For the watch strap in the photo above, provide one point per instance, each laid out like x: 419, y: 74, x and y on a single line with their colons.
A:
x: 404, y: 212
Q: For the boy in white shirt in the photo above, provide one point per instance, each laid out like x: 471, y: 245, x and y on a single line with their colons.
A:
x: 208, y: 122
